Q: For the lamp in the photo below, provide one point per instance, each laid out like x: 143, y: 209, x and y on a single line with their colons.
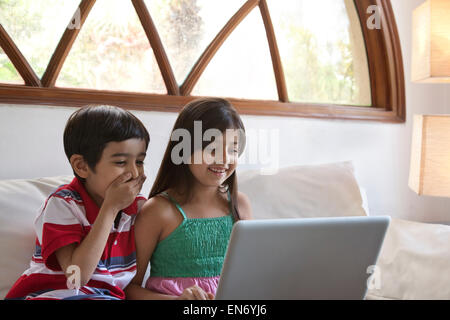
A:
x: 431, y: 42
x: 430, y: 155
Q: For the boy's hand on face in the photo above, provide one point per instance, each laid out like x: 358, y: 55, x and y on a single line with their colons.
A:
x: 122, y: 191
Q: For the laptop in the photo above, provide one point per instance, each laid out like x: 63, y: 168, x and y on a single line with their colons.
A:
x: 309, y: 258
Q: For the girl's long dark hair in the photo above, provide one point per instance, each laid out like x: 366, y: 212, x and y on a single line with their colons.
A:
x: 214, y: 113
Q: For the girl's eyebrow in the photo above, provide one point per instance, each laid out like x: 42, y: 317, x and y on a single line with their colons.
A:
x: 116, y: 155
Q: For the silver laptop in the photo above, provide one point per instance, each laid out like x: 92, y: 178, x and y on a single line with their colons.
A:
x: 311, y: 258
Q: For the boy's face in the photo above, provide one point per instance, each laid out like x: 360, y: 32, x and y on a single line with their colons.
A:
x: 117, y: 158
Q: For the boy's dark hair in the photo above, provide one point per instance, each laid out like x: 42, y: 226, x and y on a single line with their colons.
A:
x: 90, y: 128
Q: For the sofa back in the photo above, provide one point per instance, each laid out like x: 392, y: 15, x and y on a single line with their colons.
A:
x: 327, y: 190
x: 20, y: 201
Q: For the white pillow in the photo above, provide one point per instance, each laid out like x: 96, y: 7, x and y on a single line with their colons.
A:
x: 365, y: 202
x: 414, y: 262
x: 20, y: 201
x: 328, y: 190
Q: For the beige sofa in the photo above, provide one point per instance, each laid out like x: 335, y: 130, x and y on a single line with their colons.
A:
x: 414, y: 262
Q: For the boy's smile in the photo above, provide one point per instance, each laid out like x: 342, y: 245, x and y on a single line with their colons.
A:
x: 117, y: 158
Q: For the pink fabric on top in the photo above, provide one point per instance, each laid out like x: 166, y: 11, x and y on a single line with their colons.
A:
x: 175, y: 286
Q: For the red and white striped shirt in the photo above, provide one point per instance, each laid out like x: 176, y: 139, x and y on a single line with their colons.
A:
x: 66, y: 218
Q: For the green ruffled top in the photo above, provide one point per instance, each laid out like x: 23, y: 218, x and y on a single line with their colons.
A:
x: 196, y: 248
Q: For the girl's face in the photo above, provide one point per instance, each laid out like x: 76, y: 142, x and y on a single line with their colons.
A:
x: 117, y: 158
x: 216, y: 162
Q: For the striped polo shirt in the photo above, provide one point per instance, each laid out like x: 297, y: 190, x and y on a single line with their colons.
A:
x: 66, y: 218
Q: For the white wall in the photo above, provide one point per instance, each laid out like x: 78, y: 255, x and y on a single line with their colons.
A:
x: 31, y: 142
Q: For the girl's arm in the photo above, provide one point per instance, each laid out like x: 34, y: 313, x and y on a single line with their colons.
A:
x: 245, y: 209
x: 147, y: 230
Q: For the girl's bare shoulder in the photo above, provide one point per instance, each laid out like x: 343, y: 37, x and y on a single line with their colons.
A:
x: 158, y: 216
x: 157, y: 208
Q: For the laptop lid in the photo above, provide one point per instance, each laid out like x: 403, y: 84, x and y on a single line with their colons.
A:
x: 311, y: 258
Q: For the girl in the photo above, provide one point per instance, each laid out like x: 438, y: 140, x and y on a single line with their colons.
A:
x: 184, y: 227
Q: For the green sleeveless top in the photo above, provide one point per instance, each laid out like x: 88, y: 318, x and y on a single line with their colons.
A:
x: 196, y: 248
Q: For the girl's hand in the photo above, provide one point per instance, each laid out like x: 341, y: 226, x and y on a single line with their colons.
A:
x: 195, y: 293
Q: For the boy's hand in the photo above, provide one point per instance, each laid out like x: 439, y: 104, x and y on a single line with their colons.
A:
x: 122, y: 191
x: 195, y: 293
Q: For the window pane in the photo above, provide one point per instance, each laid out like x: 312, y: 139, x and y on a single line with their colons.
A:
x: 8, y: 74
x: 322, y: 50
x: 112, y: 52
x: 242, y: 67
x: 187, y: 27
x: 36, y: 27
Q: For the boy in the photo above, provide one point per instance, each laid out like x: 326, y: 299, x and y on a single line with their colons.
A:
x: 85, y: 245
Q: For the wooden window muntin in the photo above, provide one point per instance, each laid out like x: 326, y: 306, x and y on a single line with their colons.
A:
x: 382, y: 46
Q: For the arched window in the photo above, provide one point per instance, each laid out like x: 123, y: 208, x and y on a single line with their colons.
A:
x: 307, y: 58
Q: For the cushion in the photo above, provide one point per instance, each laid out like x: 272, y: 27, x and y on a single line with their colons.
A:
x: 414, y: 262
x: 20, y: 201
x: 328, y: 190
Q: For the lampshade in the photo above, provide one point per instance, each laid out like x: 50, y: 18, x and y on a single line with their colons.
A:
x: 431, y: 42
x: 430, y: 155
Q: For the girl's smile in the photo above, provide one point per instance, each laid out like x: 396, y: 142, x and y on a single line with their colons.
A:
x: 219, y: 162
x: 218, y: 171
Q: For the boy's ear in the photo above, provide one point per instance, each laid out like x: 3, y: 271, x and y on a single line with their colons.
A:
x: 79, y: 165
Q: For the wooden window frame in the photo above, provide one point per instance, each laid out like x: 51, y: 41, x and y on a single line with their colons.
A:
x: 382, y: 47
